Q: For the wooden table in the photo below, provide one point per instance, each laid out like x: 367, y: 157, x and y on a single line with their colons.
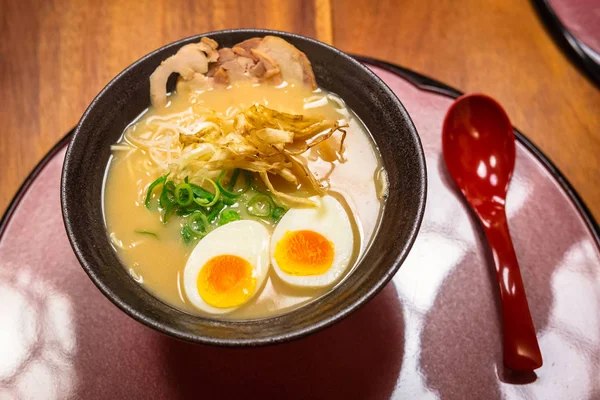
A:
x: 56, y: 55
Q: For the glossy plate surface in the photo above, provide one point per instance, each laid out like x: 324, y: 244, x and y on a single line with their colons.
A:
x: 582, y: 18
x: 575, y: 26
x: 434, y: 332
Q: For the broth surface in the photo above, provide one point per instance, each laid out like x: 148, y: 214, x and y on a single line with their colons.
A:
x: 158, y: 262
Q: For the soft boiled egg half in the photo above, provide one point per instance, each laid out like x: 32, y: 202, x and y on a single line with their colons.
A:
x: 313, y: 247
x: 227, y: 267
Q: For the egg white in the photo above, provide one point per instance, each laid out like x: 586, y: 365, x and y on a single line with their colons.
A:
x: 246, y: 239
x: 329, y: 219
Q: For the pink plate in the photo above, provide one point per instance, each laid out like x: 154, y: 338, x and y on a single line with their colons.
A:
x: 575, y: 26
x: 582, y: 18
x: 432, y: 333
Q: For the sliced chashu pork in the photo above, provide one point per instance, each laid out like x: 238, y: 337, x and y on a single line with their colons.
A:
x: 269, y: 59
x: 274, y: 60
x: 231, y: 67
x: 240, y: 63
x: 292, y: 63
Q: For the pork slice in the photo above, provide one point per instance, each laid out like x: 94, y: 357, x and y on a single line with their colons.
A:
x: 231, y: 67
x: 293, y: 64
x: 221, y: 76
x: 225, y: 55
x: 244, y: 48
x: 238, y: 68
x: 270, y: 59
x: 266, y: 68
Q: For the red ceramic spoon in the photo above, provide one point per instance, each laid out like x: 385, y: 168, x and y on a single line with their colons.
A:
x: 479, y: 150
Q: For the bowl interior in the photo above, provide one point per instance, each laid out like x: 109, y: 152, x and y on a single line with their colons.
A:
x: 127, y: 96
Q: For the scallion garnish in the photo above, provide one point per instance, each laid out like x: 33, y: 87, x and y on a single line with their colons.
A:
x: 203, y: 209
x: 187, y: 234
x: 167, y: 213
x: 161, y: 180
x: 215, y: 197
x: 228, y: 201
x: 233, y: 179
x: 260, y: 205
x: 167, y: 196
x: 228, y: 216
x: 146, y: 233
x: 198, y: 223
x: 230, y: 191
x: 202, y: 193
x: 184, y: 195
x: 278, y: 213
x: 185, y: 211
x: 215, y: 210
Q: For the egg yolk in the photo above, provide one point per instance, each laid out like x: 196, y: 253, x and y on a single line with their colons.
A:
x: 304, y: 253
x: 226, y: 281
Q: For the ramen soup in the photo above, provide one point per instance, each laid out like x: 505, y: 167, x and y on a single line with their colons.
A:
x: 248, y: 191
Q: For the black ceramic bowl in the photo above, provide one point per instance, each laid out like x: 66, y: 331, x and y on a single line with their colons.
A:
x: 126, y: 96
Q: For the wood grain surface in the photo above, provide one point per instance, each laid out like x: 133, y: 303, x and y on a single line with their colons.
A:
x: 56, y: 55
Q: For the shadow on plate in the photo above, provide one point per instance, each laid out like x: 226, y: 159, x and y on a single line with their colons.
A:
x: 359, y: 357
x: 461, y: 354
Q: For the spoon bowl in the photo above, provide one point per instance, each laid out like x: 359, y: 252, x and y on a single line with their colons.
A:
x: 479, y: 150
x: 480, y: 144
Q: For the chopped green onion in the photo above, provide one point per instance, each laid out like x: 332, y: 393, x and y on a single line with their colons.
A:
x: 216, y: 195
x: 229, y: 192
x: 201, y: 193
x: 184, y: 211
x: 215, y: 210
x: 228, y: 216
x: 198, y: 223
x: 233, y: 179
x: 201, y: 202
x: 203, y: 197
x: 168, y: 211
x: 159, y: 181
x: 260, y: 205
x: 278, y: 213
x: 167, y: 196
x: 187, y: 234
x: 227, y: 201
x: 146, y: 233
x: 184, y: 195
x: 201, y: 208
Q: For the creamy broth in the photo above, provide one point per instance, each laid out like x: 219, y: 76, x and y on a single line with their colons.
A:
x: 158, y: 263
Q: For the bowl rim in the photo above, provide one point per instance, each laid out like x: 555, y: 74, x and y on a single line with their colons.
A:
x: 314, y: 326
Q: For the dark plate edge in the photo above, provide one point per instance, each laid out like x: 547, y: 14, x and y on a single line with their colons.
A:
x: 13, y: 204
x: 420, y: 81
x: 573, y: 47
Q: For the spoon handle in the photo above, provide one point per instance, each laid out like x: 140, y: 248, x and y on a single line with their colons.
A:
x: 521, y: 349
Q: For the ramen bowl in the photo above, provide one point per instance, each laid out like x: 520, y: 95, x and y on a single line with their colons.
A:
x: 126, y: 96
